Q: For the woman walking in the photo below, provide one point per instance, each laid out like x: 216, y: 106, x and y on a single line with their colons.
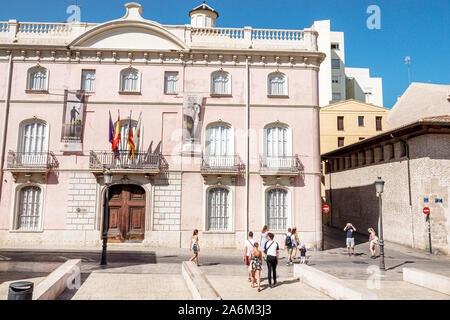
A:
x: 373, y: 242
x: 296, y: 243
x: 256, y: 265
x: 263, y: 237
x: 195, y: 247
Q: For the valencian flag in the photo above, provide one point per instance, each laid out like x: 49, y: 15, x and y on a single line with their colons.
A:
x: 116, y: 138
x: 131, y: 141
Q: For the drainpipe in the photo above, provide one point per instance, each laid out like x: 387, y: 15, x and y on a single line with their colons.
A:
x: 247, y: 146
x: 5, y: 120
x: 409, y: 191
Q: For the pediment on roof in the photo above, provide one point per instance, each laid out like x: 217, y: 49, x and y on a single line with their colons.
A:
x: 129, y: 35
x: 354, y: 105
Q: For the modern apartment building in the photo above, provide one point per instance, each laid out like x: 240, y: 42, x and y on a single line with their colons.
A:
x: 337, y: 81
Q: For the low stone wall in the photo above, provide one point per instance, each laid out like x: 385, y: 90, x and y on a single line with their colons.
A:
x: 198, y: 284
x: 426, y: 279
x: 330, y: 285
x: 57, y: 281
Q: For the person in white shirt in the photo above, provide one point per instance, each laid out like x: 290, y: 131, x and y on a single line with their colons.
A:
x: 248, y: 248
x: 272, y: 251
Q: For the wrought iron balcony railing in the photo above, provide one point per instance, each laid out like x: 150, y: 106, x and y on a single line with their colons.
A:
x: 142, y: 161
x: 32, y: 160
x: 283, y: 164
x: 222, y: 164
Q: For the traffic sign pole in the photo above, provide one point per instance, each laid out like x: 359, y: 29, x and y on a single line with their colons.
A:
x: 427, y: 212
x: 429, y: 231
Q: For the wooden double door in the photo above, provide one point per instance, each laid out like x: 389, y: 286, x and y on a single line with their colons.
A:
x: 126, y: 213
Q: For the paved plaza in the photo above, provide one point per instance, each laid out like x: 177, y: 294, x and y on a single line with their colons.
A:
x: 143, y: 273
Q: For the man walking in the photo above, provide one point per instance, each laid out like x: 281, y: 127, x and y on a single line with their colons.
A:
x: 272, y: 250
x: 289, y: 244
x: 350, y: 231
x: 248, y: 248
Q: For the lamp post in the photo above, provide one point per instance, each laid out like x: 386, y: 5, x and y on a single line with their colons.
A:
x: 379, y: 186
x: 108, y: 177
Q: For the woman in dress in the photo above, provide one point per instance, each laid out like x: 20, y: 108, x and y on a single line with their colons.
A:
x: 256, y: 265
x: 373, y: 239
x: 263, y: 238
x: 195, y: 247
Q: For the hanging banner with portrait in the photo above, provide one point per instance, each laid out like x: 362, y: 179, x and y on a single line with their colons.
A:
x: 73, y: 117
x: 192, y: 124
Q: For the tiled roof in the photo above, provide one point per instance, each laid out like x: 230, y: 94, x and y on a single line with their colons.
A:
x: 204, y: 6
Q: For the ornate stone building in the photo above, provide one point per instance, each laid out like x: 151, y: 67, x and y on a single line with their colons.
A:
x: 225, y: 124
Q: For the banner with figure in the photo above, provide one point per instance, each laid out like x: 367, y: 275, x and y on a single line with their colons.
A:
x: 192, y: 126
x: 72, y: 126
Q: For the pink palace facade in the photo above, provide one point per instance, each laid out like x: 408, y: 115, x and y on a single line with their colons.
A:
x: 255, y: 83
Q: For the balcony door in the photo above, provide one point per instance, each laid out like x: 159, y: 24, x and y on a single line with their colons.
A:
x: 220, y: 147
x: 126, y: 213
x: 33, y: 144
x: 277, y: 147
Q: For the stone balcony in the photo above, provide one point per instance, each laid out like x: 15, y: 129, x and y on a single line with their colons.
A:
x: 31, y: 162
x: 141, y: 163
x: 280, y: 166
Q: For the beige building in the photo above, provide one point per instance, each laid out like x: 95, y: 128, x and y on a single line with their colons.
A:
x: 350, y: 121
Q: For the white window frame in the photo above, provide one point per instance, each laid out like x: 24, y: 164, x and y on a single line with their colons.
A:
x: 138, y: 81
x: 21, y: 147
x: 84, y: 78
x: 14, y: 215
x: 225, y: 184
x: 288, y: 147
x: 228, y: 88
x: 167, y: 75
x: 273, y: 75
x: 289, y: 206
x: 30, y: 73
x: 228, y: 215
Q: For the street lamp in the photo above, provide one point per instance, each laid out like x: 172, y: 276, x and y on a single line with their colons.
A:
x: 108, y: 177
x: 379, y: 186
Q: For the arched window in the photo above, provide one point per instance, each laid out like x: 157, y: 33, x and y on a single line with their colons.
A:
x: 33, y: 142
x: 277, y: 209
x: 124, y: 132
x: 218, y: 210
x: 37, y: 79
x: 221, y: 83
x: 28, y: 215
x: 277, y: 141
x: 130, y: 80
x: 277, y: 83
x: 220, y: 146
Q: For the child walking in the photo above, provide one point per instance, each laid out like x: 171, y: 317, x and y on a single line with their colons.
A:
x: 303, y: 254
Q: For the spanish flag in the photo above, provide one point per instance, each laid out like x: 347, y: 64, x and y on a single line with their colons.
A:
x: 131, y: 141
x: 116, y: 138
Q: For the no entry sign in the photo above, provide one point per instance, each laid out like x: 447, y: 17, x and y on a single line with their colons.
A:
x: 326, y: 209
x: 426, y: 210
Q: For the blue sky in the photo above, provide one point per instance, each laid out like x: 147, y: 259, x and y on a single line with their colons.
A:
x: 415, y: 28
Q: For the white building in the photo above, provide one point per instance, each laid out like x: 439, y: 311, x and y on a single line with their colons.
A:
x: 336, y: 81
x: 360, y: 86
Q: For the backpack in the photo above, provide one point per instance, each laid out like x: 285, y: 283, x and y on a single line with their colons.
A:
x: 288, y: 242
